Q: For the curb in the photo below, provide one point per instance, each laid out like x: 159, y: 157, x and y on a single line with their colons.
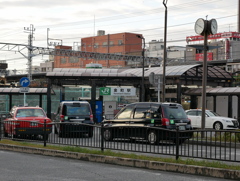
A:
x: 154, y: 165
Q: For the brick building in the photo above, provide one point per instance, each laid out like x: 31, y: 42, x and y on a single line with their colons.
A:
x: 120, y: 44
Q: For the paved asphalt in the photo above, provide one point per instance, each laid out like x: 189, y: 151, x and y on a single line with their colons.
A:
x: 17, y: 166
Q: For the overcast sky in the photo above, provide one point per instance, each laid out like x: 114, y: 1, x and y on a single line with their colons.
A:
x: 71, y: 20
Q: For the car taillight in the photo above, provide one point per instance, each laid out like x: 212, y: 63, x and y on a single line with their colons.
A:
x: 91, y: 118
x: 48, y: 122
x: 165, y: 121
x: 189, y: 121
x: 61, y: 118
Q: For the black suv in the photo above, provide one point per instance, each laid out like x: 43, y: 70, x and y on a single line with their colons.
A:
x: 74, y: 117
x: 150, y: 121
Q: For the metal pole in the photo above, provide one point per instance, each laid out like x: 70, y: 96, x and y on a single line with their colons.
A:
x: 102, y: 139
x: 164, y: 53
x: 159, y: 81
x: 177, y: 142
x: 45, y: 134
x: 143, y: 62
x: 204, y: 81
x: 24, y: 97
x: 143, y: 55
x: 30, y: 57
x: 238, y: 16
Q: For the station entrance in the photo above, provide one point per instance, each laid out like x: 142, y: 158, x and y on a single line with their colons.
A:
x: 178, y: 80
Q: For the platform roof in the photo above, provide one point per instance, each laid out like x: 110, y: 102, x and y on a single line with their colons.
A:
x: 191, y: 70
x: 219, y: 91
x: 32, y: 91
x: 187, y: 74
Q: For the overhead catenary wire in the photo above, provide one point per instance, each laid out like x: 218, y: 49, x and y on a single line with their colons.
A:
x: 148, y: 32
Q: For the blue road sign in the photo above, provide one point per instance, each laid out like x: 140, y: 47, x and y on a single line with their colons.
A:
x: 24, y: 82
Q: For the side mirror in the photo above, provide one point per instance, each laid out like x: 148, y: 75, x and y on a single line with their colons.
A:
x: 104, y: 117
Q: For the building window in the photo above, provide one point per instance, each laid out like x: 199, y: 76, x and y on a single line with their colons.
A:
x: 111, y: 43
x: 229, y: 68
x: 63, y: 60
x: 73, y: 60
x: 120, y: 42
x: 105, y: 44
x: 96, y: 45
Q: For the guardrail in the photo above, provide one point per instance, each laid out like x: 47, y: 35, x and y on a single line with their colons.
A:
x: 204, y: 144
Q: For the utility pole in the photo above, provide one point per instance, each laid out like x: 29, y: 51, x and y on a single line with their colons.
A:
x: 164, y: 52
x: 30, y: 30
x: 143, y: 62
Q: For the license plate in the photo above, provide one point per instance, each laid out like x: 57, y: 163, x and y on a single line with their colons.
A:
x: 182, y: 128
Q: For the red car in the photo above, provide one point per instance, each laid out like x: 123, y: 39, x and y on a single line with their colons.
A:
x: 27, y: 122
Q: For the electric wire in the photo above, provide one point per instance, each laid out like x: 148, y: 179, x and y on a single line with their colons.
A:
x: 137, y: 14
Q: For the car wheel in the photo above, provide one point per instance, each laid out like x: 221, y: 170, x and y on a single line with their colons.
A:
x: 55, y: 129
x: 181, y: 141
x: 46, y: 137
x: 5, y: 133
x: 152, y: 137
x: 107, y: 135
x: 35, y: 136
x: 217, y: 126
x: 60, y: 134
x: 90, y: 134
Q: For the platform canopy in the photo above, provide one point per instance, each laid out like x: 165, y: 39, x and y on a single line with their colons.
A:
x: 219, y: 91
x: 187, y: 74
x: 32, y: 91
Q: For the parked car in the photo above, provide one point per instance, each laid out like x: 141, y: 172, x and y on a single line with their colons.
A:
x: 27, y: 122
x: 74, y: 117
x: 150, y: 121
x: 212, y: 120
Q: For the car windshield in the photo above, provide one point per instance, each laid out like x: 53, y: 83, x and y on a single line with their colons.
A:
x: 82, y: 109
x: 30, y: 113
x: 174, y: 112
x: 212, y: 114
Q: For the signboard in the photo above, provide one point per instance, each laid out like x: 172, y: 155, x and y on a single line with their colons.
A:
x: 200, y: 56
x: 109, y: 107
x: 24, y: 89
x: 215, y: 36
x: 118, y: 91
x: 24, y: 82
x: 155, y: 79
x: 105, y: 91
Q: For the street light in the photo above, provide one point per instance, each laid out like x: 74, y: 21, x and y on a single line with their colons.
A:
x: 142, y: 84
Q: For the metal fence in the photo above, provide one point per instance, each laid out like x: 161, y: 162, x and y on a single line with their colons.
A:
x: 221, y: 145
